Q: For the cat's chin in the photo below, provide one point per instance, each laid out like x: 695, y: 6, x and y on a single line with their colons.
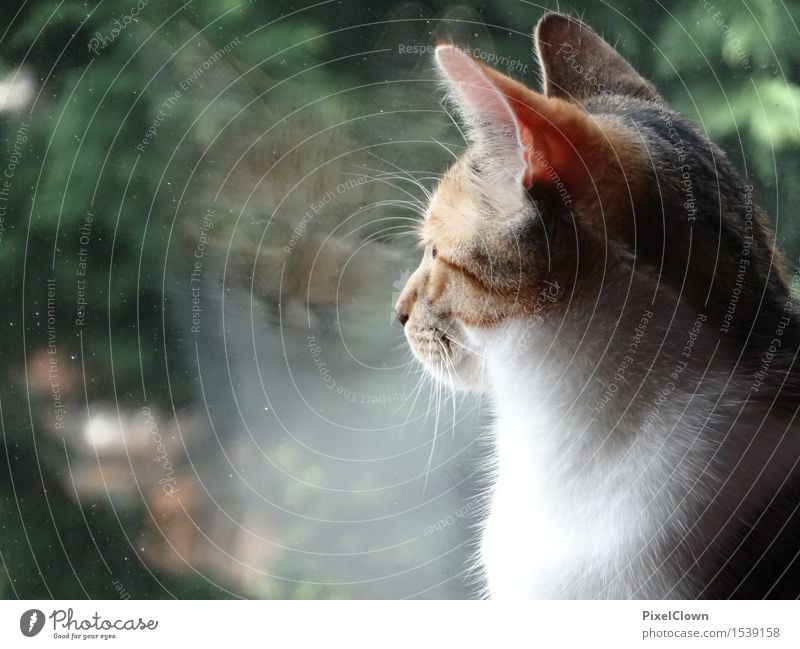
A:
x: 461, y: 380
x: 448, y: 361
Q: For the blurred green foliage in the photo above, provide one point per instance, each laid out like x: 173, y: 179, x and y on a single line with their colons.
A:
x: 732, y: 67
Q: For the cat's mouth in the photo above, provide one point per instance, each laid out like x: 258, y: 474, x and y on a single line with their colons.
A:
x: 432, y: 346
x: 446, y: 357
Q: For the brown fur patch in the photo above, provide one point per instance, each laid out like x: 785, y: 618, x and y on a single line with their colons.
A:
x: 482, y: 274
x: 474, y: 278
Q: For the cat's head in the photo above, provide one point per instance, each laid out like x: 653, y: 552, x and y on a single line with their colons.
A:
x: 555, y: 190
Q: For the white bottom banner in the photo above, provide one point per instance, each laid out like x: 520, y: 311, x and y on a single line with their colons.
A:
x: 406, y: 624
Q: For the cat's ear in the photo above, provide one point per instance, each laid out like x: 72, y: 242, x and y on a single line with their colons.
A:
x: 486, y: 113
x: 577, y: 64
x: 537, y: 139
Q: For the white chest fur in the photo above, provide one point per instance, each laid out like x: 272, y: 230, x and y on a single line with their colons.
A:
x: 592, y: 503
x: 567, y: 517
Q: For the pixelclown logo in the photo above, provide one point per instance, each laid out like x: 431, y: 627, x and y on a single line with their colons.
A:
x: 31, y: 622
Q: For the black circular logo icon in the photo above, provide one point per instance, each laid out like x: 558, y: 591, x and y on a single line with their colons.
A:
x: 31, y: 622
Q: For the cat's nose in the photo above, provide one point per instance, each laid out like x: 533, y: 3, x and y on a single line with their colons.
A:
x: 406, y: 302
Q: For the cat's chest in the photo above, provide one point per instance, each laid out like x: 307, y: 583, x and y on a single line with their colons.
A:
x: 551, y: 528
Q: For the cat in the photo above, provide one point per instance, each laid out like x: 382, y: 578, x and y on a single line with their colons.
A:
x: 598, y: 270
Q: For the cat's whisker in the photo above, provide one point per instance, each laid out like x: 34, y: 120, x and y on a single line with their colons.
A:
x: 412, y: 367
x: 418, y: 184
x: 456, y: 341
x: 395, y: 231
x: 431, y: 388
x: 410, y: 363
x: 437, y: 396
x: 396, y: 235
x: 411, y: 178
x: 453, y: 119
x: 417, y: 211
x: 400, y: 225
x: 417, y: 391
x: 451, y: 372
x: 387, y: 178
x: 455, y: 157
x: 412, y: 204
x: 433, y: 179
x: 400, y: 202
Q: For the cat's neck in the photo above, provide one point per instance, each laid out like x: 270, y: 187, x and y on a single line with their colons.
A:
x: 589, y: 383
x: 628, y: 363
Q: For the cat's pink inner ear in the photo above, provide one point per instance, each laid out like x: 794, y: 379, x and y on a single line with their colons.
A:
x: 553, y: 146
x: 559, y: 139
x: 479, y: 98
x: 553, y: 139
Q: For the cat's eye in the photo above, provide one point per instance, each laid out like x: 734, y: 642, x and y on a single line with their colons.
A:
x: 433, y: 252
